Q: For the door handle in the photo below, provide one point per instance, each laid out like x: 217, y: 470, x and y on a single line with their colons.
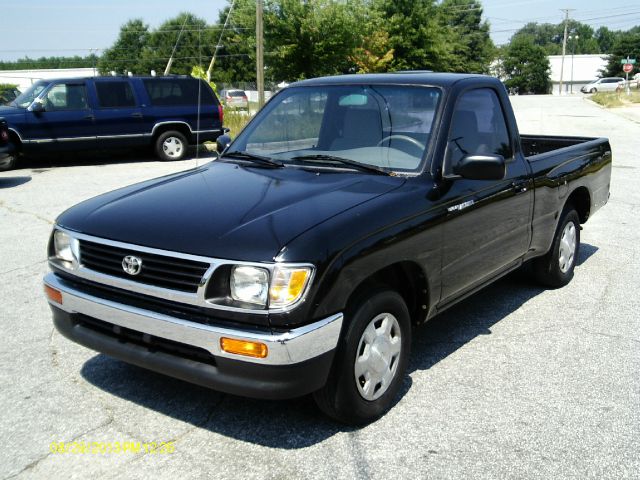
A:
x: 89, y: 117
x: 520, y: 187
x: 136, y: 115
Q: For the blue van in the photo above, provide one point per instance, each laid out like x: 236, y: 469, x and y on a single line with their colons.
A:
x: 166, y: 113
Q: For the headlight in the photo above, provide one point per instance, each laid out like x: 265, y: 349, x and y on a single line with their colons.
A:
x: 288, y: 285
x: 66, y: 248
x: 278, y: 288
x: 250, y: 285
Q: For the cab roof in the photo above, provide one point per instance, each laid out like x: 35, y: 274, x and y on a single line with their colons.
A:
x: 404, y: 78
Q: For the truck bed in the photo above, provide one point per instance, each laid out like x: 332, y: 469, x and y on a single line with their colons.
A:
x: 533, y: 145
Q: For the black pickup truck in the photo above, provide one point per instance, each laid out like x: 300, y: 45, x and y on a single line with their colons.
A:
x: 348, y: 211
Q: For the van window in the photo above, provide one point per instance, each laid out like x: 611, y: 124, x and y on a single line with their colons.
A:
x: 115, y: 94
x: 178, y: 91
x: 66, y: 96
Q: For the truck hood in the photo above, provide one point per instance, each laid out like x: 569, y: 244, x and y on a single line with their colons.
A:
x: 224, y: 210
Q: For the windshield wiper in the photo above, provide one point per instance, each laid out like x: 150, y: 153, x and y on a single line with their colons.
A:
x: 344, y: 161
x: 253, y: 157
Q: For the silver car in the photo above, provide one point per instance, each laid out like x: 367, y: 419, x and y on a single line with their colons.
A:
x: 607, y: 84
x: 234, y: 98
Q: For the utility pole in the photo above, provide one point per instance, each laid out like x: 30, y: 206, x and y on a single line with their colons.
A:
x: 260, y: 53
x: 564, y: 43
x: 219, y: 44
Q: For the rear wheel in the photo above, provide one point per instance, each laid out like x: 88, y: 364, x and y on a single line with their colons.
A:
x: 555, y: 269
x: 370, y: 361
x: 171, y: 145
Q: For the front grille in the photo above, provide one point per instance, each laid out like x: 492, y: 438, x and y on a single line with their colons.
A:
x: 150, y: 342
x: 157, y: 270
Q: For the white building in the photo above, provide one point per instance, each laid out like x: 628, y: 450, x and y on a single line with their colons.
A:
x: 25, y: 78
x: 578, y: 71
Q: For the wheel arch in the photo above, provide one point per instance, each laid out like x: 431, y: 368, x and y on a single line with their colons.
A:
x: 15, y: 138
x: 405, y: 277
x: 178, y: 126
x: 580, y: 199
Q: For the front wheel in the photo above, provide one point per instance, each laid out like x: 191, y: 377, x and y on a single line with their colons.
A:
x: 171, y: 145
x: 593, y: 90
x: 555, y: 269
x: 370, y: 361
x: 9, y: 162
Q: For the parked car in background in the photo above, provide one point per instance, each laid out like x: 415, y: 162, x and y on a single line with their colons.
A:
x: 607, y: 84
x: 8, y: 94
x: 114, y: 112
x: 233, y: 98
x: 7, y: 149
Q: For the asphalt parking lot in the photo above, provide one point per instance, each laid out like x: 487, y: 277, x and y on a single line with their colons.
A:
x: 515, y: 382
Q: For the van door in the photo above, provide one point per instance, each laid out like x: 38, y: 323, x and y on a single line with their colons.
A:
x: 119, y: 118
x: 67, y: 122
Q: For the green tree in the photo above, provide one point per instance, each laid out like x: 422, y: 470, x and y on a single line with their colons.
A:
x: 550, y: 37
x: 417, y: 35
x: 236, y: 57
x: 375, y: 55
x: 187, y: 37
x: 27, y: 63
x: 125, y: 54
x: 313, y: 38
x: 626, y: 46
x: 473, y: 49
x: 525, y: 66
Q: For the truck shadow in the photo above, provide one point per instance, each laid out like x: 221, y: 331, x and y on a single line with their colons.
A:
x: 297, y: 423
x: 9, y: 182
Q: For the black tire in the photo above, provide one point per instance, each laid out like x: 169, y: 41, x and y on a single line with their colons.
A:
x: 171, y: 146
x: 9, y: 163
x: 341, y: 397
x: 555, y: 269
x: 593, y: 90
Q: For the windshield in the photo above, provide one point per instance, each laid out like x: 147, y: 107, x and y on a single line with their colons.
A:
x: 25, y: 99
x: 384, y: 126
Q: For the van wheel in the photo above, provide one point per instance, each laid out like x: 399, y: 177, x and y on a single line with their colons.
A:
x: 8, y: 163
x: 370, y: 360
x: 171, y: 145
x: 555, y: 269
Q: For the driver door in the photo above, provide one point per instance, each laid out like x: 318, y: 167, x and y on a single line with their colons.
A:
x: 67, y: 121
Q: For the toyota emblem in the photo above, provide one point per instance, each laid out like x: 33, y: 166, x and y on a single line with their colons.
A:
x: 132, y: 265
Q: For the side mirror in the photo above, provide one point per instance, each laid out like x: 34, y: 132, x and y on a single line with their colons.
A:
x: 222, y: 142
x: 481, y: 167
x: 36, y: 106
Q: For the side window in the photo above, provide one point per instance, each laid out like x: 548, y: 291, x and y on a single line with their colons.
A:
x: 115, y: 94
x: 66, y: 96
x: 171, y: 92
x: 478, y: 127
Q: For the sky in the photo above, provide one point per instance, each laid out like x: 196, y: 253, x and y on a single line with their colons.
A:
x: 38, y: 28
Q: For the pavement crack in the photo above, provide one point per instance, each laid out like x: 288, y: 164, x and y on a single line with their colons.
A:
x: 609, y: 335
x: 25, y: 212
x: 53, y: 350
x: 40, y: 262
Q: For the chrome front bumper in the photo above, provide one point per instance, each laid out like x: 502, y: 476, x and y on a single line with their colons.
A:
x: 292, y: 347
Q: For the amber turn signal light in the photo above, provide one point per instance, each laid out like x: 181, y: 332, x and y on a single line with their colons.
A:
x: 244, y: 347
x: 53, y: 294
